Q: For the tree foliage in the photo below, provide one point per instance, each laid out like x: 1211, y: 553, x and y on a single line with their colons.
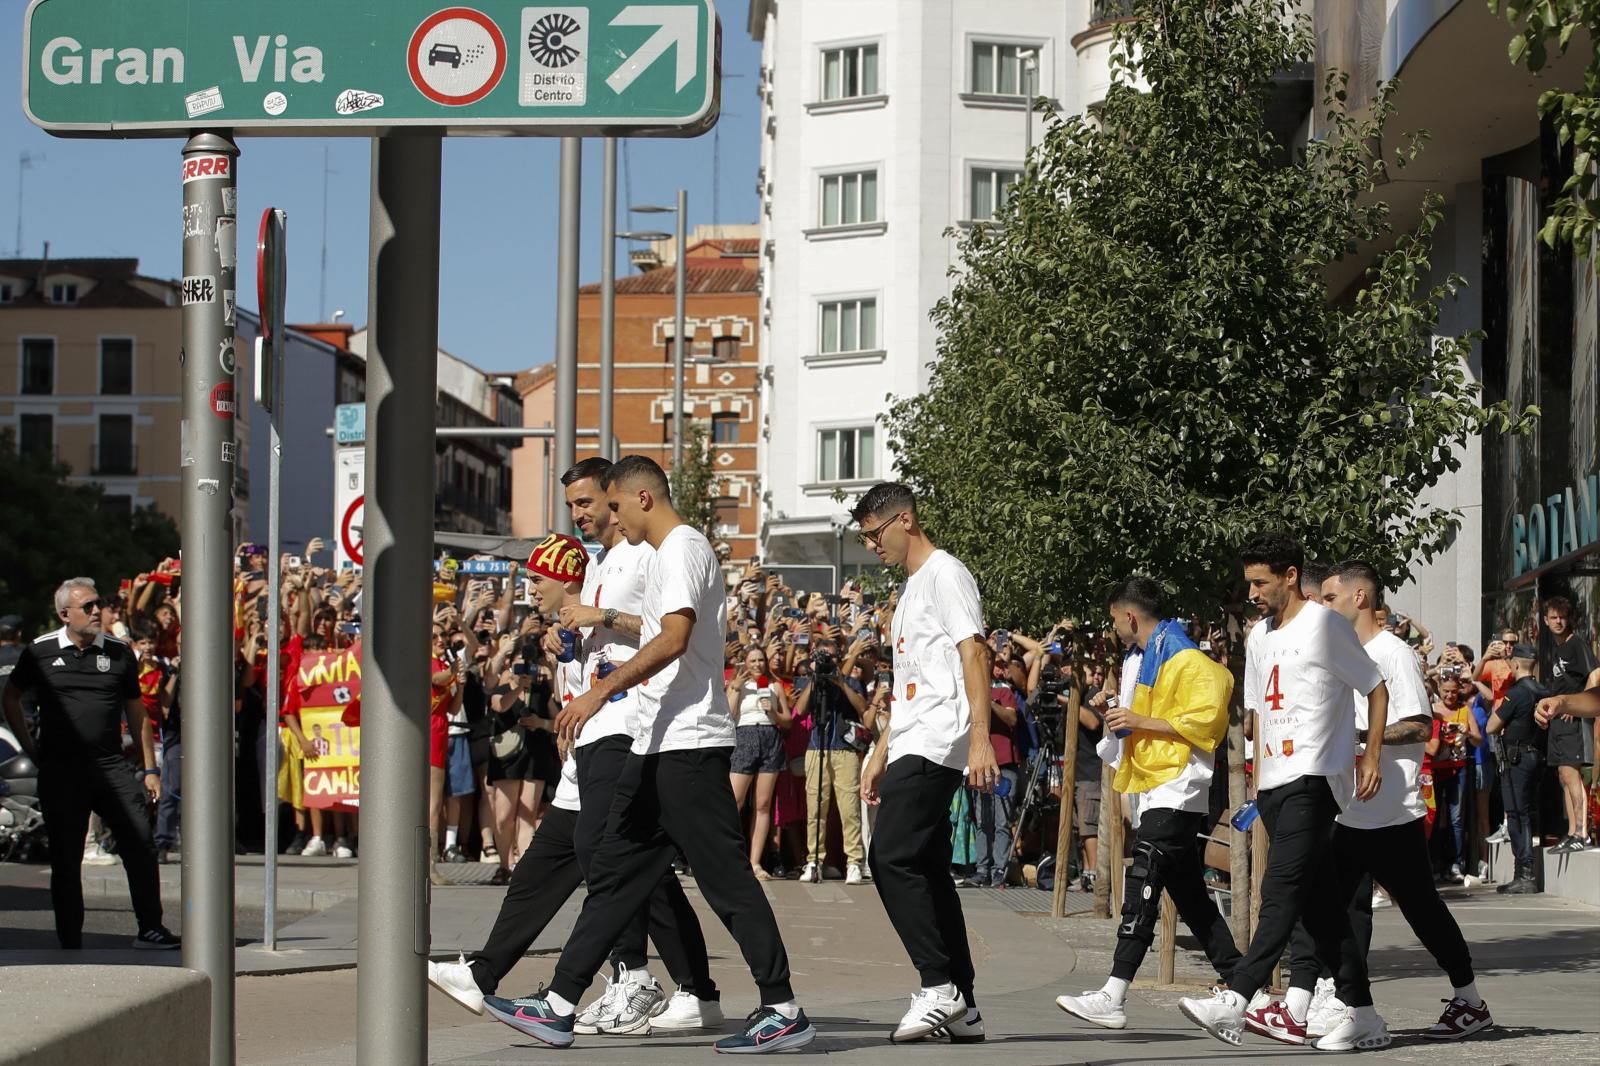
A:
x: 691, y: 484
x: 1139, y: 364
x: 1576, y: 115
x: 55, y: 529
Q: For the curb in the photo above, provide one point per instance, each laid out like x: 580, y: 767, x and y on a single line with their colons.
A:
x: 106, y: 886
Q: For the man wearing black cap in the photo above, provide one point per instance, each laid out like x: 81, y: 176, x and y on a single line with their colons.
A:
x: 1514, y: 724
x: 86, y: 682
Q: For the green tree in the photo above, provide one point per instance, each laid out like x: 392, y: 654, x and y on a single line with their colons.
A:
x: 1575, y: 115
x: 1139, y: 364
x: 55, y: 529
x: 691, y: 483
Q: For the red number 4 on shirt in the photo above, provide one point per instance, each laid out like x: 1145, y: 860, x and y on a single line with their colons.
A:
x: 1274, y: 693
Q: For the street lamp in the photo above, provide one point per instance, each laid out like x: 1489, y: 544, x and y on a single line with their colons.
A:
x: 682, y: 213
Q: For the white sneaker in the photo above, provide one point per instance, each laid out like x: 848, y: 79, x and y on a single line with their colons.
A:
x: 342, y: 850
x: 1321, y: 993
x: 94, y: 856
x: 640, y: 1000
x: 687, y: 1011
x: 1499, y: 836
x: 931, y: 1009
x: 602, y: 1009
x: 852, y: 876
x: 1221, y: 1015
x: 1325, y: 1017
x: 1380, y: 899
x: 315, y: 847
x: 1352, y: 1034
x: 455, y: 980
x: 810, y: 875
x: 1096, y: 1007
x: 969, y: 1030
x: 1260, y: 1001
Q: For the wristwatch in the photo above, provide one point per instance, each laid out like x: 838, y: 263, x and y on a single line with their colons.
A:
x: 608, y: 618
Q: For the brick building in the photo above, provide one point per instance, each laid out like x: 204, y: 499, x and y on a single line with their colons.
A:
x: 721, y: 377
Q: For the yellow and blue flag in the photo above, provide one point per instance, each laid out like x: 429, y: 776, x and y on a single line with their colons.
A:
x: 1181, y: 685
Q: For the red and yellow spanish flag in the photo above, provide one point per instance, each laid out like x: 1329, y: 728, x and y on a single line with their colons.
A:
x: 1181, y: 685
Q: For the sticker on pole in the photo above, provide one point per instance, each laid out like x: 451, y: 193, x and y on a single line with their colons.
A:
x: 457, y: 56
x: 555, y: 57
x: 350, y: 529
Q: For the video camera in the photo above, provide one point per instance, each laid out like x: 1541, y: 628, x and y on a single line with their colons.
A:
x: 823, y: 664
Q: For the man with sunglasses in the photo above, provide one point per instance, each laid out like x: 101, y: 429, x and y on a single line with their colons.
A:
x: 940, y: 727
x: 85, y: 681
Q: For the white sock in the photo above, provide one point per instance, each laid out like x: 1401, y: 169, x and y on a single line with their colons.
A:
x: 1298, y: 1000
x: 450, y: 835
x: 561, y: 1006
x: 1367, y: 1015
x: 947, y: 990
x: 1469, y: 993
x: 1117, y: 989
x: 789, y: 1009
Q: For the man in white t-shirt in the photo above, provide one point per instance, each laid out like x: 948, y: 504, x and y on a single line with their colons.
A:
x: 674, y: 787
x: 1175, y: 741
x: 1384, y: 838
x: 1303, y: 665
x: 939, y: 725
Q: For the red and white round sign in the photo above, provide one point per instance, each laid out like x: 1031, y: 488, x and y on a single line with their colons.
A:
x: 350, y: 530
x: 457, y: 56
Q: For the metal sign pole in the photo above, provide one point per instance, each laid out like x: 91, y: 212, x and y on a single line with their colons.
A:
x: 210, y: 402
x: 608, y: 295
x: 271, y: 278
x: 402, y: 376
x: 678, y: 328
x: 567, y: 313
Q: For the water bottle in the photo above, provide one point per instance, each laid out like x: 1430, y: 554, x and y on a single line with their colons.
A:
x: 569, y: 646
x: 605, y: 670
x: 1112, y: 701
x: 1245, y: 816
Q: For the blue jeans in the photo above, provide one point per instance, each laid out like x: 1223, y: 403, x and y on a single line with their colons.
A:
x: 1452, y: 801
x: 993, y: 814
x: 169, y: 812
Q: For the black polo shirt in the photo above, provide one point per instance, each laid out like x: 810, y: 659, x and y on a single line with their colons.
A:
x: 82, y: 693
x: 1517, y: 712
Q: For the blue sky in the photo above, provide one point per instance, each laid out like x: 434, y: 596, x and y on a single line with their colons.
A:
x: 498, y: 264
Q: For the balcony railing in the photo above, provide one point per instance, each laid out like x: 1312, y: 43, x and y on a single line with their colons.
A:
x: 1104, y: 11
x: 115, y: 459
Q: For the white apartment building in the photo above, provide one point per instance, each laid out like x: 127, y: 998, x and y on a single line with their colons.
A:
x: 885, y: 123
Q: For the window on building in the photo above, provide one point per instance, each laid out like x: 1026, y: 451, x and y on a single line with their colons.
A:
x: 114, y: 454
x: 990, y: 187
x: 36, y: 435
x: 64, y: 292
x: 38, y: 366
x: 116, y: 505
x: 848, y: 199
x: 725, y: 429
x: 7, y: 292
x: 997, y: 68
x: 727, y: 516
x: 846, y: 454
x: 725, y: 349
x: 848, y: 72
x: 116, y: 366
x: 848, y: 326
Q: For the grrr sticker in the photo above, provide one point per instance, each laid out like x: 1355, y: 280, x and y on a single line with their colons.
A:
x: 203, y: 102
x: 275, y: 104
x: 228, y: 451
x: 230, y: 200
x: 354, y: 101
x: 201, y: 167
x: 201, y: 289
x: 196, y: 221
x: 225, y: 357
x: 222, y: 402
x: 227, y: 242
x: 229, y: 307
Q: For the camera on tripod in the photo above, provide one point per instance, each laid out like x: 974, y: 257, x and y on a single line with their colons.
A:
x: 1052, y: 685
x: 823, y: 664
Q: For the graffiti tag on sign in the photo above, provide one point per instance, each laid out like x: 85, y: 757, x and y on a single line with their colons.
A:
x: 201, y: 289
x: 201, y: 167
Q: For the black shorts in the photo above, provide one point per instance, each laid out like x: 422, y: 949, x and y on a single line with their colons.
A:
x: 1565, y: 746
x: 757, y: 750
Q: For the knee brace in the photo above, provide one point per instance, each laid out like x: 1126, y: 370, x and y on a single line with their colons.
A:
x: 1141, y: 901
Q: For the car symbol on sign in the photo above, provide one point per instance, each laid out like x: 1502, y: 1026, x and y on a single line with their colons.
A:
x: 444, y: 53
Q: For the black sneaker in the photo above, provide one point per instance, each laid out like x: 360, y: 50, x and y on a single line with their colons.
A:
x: 454, y: 854
x: 157, y: 939
x: 1522, y: 886
x: 296, y: 845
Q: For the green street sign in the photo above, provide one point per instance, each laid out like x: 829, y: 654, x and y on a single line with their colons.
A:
x: 357, y: 67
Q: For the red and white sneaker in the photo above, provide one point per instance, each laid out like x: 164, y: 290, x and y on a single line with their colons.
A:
x: 1274, y: 1021
x: 1460, y: 1019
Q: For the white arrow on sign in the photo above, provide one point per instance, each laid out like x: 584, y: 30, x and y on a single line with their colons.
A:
x: 676, y: 26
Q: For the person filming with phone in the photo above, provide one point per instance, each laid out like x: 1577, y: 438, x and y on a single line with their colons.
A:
x: 835, y: 705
